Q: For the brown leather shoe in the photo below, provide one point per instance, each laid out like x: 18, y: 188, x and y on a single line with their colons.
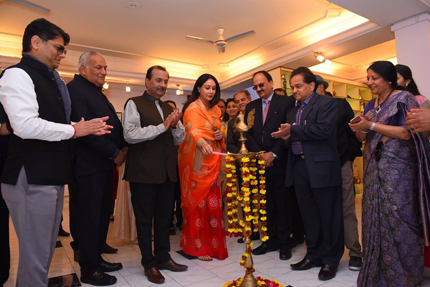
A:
x: 154, y: 275
x: 172, y: 266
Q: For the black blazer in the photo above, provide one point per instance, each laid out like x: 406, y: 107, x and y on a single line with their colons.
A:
x: 94, y: 153
x: 259, y: 136
x: 233, y: 143
x: 317, y: 132
x: 347, y: 144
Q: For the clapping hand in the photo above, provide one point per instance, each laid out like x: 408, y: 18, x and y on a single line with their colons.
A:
x: 284, y: 132
x: 96, y: 127
x: 177, y: 115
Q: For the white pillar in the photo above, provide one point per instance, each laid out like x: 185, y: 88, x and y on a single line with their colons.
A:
x: 413, y: 48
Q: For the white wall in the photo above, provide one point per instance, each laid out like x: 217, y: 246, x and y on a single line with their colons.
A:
x: 118, y: 96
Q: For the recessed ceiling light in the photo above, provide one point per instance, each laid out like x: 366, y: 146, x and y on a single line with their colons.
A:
x: 333, y: 13
x: 133, y: 5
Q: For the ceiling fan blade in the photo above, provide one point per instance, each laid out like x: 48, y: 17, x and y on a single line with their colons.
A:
x: 199, y: 39
x: 240, y: 36
x: 30, y: 5
x: 221, y: 49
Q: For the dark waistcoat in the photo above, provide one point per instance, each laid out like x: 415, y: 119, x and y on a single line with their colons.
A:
x: 45, y: 163
x: 151, y: 161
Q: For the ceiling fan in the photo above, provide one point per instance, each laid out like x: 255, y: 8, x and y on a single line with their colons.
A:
x: 221, y: 42
x: 29, y: 5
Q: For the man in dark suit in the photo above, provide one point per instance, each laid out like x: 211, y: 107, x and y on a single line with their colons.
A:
x: 270, y: 111
x: 153, y: 129
x: 95, y: 158
x: 314, y: 170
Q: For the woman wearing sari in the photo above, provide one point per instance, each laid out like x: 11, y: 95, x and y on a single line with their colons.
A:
x: 203, y: 227
x: 392, y: 242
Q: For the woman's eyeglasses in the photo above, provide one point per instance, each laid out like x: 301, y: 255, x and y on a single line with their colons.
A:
x: 60, y: 49
x: 378, y: 151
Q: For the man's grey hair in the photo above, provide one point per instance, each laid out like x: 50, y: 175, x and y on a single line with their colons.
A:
x: 247, y: 94
x: 83, y: 59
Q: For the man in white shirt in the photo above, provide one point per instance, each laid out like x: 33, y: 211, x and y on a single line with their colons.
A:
x: 152, y: 128
x: 39, y: 159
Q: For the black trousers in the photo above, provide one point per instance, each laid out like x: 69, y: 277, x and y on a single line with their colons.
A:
x: 153, y: 202
x: 4, y: 242
x: 94, y: 201
x: 298, y: 228
x: 279, y: 216
x: 322, y: 215
x: 177, y: 205
x: 73, y: 216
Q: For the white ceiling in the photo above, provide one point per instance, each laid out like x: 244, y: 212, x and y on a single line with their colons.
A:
x: 287, y: 34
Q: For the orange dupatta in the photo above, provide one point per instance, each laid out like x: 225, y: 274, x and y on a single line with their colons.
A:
x: 199, y: 124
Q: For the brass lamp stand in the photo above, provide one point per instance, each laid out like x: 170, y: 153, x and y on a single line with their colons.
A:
x: 240, y: 126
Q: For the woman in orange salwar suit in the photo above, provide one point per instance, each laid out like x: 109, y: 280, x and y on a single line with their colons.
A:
x: 203, y: 227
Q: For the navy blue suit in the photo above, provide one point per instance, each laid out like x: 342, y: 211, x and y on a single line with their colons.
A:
x: 316, y: 176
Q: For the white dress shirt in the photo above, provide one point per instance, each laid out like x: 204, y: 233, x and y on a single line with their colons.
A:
x: 19, y: 100
x: 135, y: 133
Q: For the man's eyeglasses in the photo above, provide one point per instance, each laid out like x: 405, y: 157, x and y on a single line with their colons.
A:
x: 378, y: 151
x: 260, y: 85
x: 60, y: 49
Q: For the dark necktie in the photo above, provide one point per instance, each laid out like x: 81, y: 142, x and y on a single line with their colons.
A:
x: 297, y: 146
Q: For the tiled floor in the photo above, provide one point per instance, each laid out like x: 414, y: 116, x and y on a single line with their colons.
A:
x: 199, y: 274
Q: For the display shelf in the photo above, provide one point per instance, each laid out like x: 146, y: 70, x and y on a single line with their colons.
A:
x: 353, y: 91
x: 339, y: 90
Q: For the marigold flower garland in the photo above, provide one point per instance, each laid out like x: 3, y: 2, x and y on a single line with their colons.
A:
x: 232, y: 202
x: 261, y: 282
x: 251, y: 196
x: 262, y: 207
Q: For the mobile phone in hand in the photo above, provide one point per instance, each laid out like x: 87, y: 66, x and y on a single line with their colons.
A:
x: 355, y: 119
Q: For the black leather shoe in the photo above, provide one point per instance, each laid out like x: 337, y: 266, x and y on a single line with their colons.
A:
x: 327, y: 272
x: 172, y: 266
x: 305, y: 264
x: 109, y: 267
x: 285, y: 253
x: 110, y: 249
x: 98, y: 278
x: 263, y: 249
x: 62, y: 232
x: 154, y: 275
